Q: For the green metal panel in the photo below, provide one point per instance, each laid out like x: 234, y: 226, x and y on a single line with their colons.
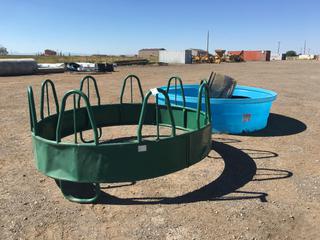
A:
x: 53, y: 159
x: 200, y: 145
x: 111, y: 162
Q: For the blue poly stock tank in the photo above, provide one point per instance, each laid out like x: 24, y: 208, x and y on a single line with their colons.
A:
x: 247, y: 111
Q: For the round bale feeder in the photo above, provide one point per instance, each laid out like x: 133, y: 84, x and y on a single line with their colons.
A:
x: 85, y: 163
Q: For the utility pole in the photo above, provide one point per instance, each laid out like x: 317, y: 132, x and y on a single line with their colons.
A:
x: 305, y: 46
x: 278, y: 47
x: 208, y: 42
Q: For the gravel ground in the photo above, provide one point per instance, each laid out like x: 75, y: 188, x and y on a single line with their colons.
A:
x: 259, y: 186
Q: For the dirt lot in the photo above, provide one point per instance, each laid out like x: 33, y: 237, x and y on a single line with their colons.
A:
x: 264, y: 186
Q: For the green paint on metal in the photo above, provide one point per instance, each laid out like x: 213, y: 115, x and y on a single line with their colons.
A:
x: 89, y: 111
x: 77, y: 166
x: 207, y: 102
x: 131, y: 76
x: 32, y: 111
x: 177, y: 78
x: 155, y: 91
x: 70, y: 190
x: 87, y: 79
x: 45, y: 91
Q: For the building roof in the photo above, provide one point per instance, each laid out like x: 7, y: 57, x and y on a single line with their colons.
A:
x: 152, y: 49
x: 197, y: 49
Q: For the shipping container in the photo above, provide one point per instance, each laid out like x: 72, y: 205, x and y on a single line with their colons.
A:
x: 259, y: 55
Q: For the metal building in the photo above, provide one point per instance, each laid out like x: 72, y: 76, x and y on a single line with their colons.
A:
x: 180, y: 57
x: 150, y: 53
x: 198, y: 52
x: 49, y: 52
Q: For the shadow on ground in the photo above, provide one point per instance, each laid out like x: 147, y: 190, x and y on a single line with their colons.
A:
x: 279, y: 125
x: 239, y: 169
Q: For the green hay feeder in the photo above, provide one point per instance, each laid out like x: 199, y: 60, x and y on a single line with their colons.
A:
x: 80, y: 166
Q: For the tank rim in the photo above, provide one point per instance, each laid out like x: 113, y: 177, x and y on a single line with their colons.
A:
x: 272, y: 95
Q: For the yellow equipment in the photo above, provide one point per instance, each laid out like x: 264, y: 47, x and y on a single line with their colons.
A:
x: 219, y: 56
x: 208, y: 58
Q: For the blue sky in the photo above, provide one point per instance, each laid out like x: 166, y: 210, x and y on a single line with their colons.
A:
x: 125, y: 26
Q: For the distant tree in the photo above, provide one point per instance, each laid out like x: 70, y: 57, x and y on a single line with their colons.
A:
x: 3, y: 50
x: 291, y: 53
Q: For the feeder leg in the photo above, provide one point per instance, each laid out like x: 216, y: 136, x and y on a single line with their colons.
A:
x: 78, y: 192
